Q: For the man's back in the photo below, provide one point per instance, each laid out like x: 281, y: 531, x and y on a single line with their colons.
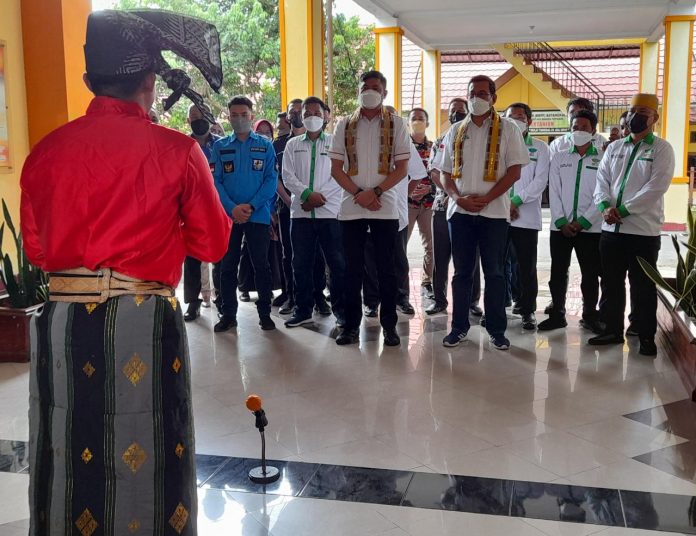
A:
x: 111, y: 189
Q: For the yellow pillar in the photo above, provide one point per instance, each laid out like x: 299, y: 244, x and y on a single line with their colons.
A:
x: 430, y: 91
x: 675, y: 108
x: 55, y: 90
x: 649, y: 60
x: 388, y: 61
x: 302, y: 66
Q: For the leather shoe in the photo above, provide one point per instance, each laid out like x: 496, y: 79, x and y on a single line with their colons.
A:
x: 244, y: 297
x: 476, y: 310
x: 595, y: 326
x: 279, y: 300
x: 322, y: 307
x: 193, y: 312
x: 552, y: 322
x: 369, y: 311
x: 632, y: 331
x: 391, y: 337
x: 529, y: 322
x: 548, y: 309
x: 606, y: 338
x: 647, y: 347
x: 348, y: 336
x: 516, y: 309
x: 435, y: 309
x: 406, y: 308
x: 225, y: 323
x: 266, y: 323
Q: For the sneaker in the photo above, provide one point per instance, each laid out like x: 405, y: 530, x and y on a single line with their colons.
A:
x: 193, y: 311
x: 244, y: 297
x: 648, y: 347
x: 266, y: 323
x: 435, y: 309
x: 369, y: 311
x: 549, y: 308
x: 225, y: 323
x: 500, y: 342
x: 552, y: 322
x: 516, y: 309
x: 475, y: 310
x: 427, y: 291
x: 529, y: 322
x: 348, y: 336
x: 322, y: 308
x: 406, y: 308
x: 391, y: 337
x: 278, y: 300
x: 288, y: 308
x: 297, y: 320
x: 632, y: 331
x: 454, y: 338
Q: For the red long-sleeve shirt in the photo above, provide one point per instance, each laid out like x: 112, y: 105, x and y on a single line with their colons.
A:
x: 113, y: 190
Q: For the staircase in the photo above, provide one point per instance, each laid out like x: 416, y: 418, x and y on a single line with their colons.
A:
x: 552, y: 75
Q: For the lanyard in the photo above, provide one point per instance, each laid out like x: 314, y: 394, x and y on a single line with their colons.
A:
x: 312, y: 168
x: 578, y: 176
x: 624, y: 180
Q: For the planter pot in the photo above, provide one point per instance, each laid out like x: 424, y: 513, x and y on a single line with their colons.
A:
x: 678, y: 333
x: 14, y: 333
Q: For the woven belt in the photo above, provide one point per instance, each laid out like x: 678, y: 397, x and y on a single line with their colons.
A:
x: 81, y: 285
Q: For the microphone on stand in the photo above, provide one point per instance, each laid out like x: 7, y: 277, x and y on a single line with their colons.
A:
x: 263, y: 474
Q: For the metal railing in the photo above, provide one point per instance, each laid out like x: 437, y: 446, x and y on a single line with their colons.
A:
x: 564, y: 76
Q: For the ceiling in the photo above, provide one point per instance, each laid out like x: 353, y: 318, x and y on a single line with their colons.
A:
x: 456, y: 24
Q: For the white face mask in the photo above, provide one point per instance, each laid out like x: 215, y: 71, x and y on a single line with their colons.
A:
x: 580, y: 137
x: 521, y: 125
x: 313, y: 123
x: 370, y: 99
x: 478, y: 106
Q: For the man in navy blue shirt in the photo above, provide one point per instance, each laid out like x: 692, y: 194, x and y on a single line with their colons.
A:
x: 201, y: 132
x: 244, y: 169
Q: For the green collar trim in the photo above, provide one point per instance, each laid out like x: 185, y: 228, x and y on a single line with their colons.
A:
x: 529, y: 140
x: 591, y: 150
x: 305, y: 136
x: 649, y: 139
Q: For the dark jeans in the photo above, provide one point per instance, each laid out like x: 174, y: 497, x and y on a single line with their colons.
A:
x: 524, y: 243
x: 512, y: 283
x: 468, y: 232
x: 384, y: 234
x: 306, y: 235
x: 586, y: 246
x: 619, y: 253
x: 192, y: 280
x: 401, y: 268
x: 442, y: 253
x: 258, y: 238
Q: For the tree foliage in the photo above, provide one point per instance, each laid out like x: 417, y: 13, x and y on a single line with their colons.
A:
x: 250, y: 50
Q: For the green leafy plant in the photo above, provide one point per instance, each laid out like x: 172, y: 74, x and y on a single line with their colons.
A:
x: 684, y: 287
x: 28, y: 285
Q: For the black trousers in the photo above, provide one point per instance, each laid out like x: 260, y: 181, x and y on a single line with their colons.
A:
x: 384, y: 236
x: 401, y: 268
x: 619, y: 253
x: 286, y: 242
x: 586, y: 246
x: 192, y: 280
x: 524, y: 242
x: 442, y: 254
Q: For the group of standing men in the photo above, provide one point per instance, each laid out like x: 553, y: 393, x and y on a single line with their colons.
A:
x: 353, y: 199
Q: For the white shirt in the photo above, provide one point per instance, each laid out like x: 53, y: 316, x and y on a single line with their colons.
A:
x: 367, y: 150
x: 526, y: 193
x: 303, y: 178
x: 513, y: 152
x: 572, y: 181
x: 644, y: 172
x: 416, y: 172
x: 565, y: 143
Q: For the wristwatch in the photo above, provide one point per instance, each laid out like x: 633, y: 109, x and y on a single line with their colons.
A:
x: 378, y: 191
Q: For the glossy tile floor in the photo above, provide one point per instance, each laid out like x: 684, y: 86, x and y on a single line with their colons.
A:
x: 551, y: 410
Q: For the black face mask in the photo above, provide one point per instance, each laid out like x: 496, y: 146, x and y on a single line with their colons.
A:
x: 200, y: 127
x: 638, y: 123
x: 295, y: 120
x: 455, y: 117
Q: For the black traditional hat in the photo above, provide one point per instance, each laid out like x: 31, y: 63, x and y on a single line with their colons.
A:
x: 129, y: 42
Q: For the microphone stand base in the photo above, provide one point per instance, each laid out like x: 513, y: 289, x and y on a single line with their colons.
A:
x: 257, y: 475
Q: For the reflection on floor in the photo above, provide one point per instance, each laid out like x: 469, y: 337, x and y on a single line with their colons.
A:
x: 552, y: 410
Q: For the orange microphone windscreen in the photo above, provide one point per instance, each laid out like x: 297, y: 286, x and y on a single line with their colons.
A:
x: 253, y: 403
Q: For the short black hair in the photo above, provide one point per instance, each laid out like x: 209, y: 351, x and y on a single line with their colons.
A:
x: 585, y: 114
x: 313, y: 100
x: 483, y: 78
x: 456, y: 99
x: 427, y: 117
x: 585, y: 104
x: 293, y: 102
x: 525, y: 107
x: 281, y: 115
x: 624, y: 116
x: 240, y: 100
x: 119, y: 87
x: 376, y: 75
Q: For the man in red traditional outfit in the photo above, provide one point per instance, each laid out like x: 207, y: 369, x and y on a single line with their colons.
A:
x: 111, y: 205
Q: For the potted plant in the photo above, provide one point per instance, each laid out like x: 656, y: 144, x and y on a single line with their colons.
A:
x: 25, y: 290
x: 676, y: 308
